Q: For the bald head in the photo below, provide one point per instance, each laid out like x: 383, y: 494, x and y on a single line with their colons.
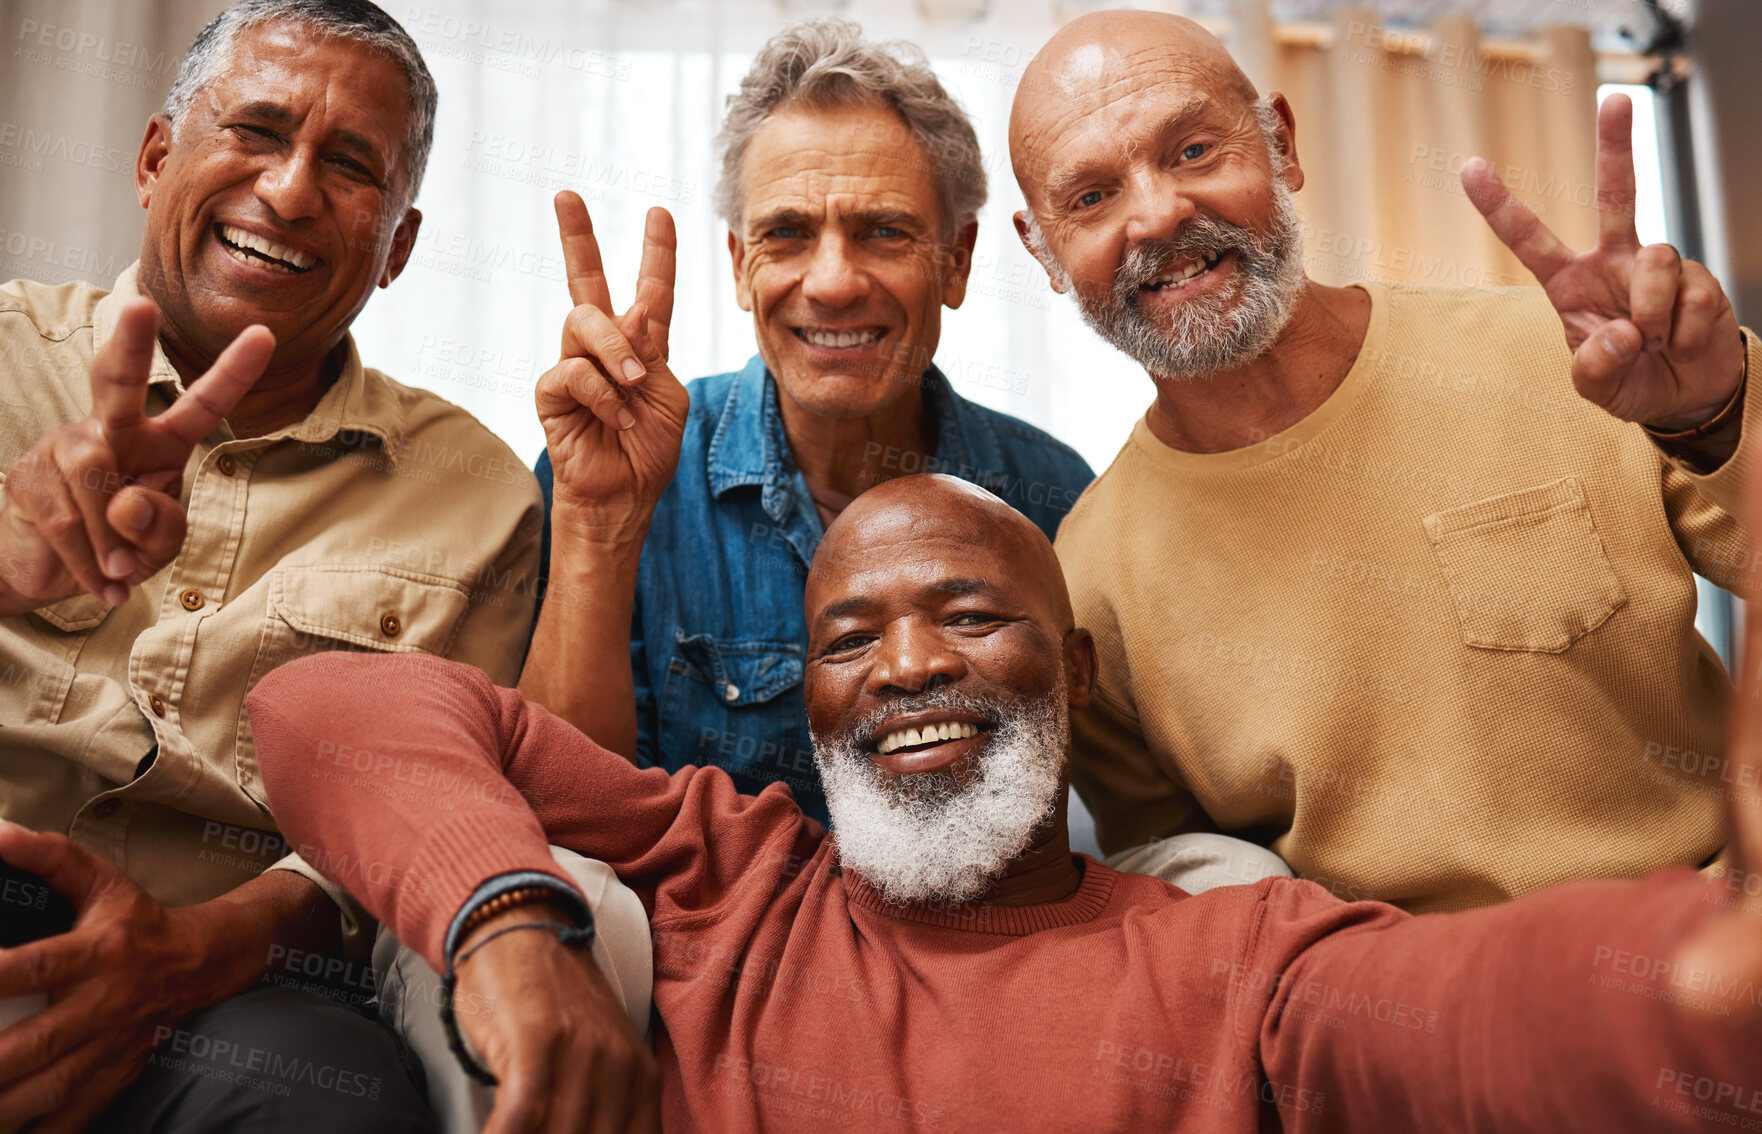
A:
x: 912, y: 511
x: 1097, y: 57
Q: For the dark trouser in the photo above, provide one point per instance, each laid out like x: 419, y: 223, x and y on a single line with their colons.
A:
x: 274, y: 1061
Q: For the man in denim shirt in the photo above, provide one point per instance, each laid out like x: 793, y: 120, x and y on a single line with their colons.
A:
x: 851, y: 183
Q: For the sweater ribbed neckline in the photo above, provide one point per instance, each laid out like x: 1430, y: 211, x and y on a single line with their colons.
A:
x: 1090, y: 899
x: 1370, y: 355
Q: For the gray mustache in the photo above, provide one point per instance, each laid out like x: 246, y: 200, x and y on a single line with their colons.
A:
x: 1151, y: 258
x: 862, y: 731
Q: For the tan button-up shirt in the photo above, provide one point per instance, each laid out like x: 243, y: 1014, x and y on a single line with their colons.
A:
x: 388, y: 520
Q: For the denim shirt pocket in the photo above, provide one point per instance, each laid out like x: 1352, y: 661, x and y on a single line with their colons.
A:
x: 736, y: 705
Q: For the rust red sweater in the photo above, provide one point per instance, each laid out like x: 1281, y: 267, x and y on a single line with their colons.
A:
x: 791, y: 999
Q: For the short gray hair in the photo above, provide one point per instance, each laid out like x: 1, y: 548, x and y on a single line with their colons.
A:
x: 826, y: 63
x: 358, y: 20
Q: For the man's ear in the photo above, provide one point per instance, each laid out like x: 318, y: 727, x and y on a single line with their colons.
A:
x: 1022, y: 234
x: 403, y: 243
x: 155, y: 149
x: 1079, y: 655
x: 737, y: 258
x: 1287, y: 141
x: 960, y: 267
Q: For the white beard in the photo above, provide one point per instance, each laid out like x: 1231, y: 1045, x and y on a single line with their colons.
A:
x: 926, y: 838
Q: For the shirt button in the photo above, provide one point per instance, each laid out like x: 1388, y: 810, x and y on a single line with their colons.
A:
x: 154, y: 703
x: 192, y: 599
x: 732, y: 693
x: 227, y: 465
x: 389, y: 625
x: 106, y: 809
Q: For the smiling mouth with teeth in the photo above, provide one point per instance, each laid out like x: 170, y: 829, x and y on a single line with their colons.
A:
x: 1179, y: 279
x: 926, y: 735
x: 840, y: 339
x: 249, y: 248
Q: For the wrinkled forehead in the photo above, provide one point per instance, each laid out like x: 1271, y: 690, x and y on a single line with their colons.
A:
x: 898, y: 551
x: 287, y: 63
x: 862, y: 153
x: 1109, y: 94
x: 920, y: 549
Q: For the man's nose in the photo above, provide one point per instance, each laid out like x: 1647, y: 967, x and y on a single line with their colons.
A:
x: 290, y: 187
x: 1156, y: 207
x: 915, y: 660
x: 834, y: 279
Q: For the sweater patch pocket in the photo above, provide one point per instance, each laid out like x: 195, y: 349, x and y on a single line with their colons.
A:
x: 1526, y: 570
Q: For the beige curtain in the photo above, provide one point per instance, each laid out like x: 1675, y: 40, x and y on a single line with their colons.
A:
x: 78, y: 81
x: 1386, y: 119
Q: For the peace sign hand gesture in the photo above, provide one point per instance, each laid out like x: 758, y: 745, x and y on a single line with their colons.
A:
x: 613, y: 413
x: 93, y: 506
x: 1653, y: 336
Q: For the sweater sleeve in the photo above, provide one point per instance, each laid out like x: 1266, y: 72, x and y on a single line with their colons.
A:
x: 1703, y: 506
x: 412, y: 780
x: 1563, y: 1010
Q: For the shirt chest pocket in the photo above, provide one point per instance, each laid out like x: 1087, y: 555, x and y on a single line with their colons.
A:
x: 1526, y: 571
x: 65, y: 628
x: 316, y: 608
x: 735, y: 705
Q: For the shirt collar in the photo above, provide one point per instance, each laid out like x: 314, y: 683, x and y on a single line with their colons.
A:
x: 750, y: 447
x: 360, y: 401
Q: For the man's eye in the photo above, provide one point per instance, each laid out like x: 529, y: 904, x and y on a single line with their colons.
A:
x: 888, y: 232
x: 352, y: 166
x: 1194, y: 151
x: 785, y: 232
x: 850, y: 642
x: 256, y: 133
x: 972, y: 618
x: 1089, y: 199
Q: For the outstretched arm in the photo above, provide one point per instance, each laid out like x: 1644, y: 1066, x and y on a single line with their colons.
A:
x: 1593, y: 1006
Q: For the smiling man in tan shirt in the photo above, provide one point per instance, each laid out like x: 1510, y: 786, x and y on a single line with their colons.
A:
x: 193, y: 498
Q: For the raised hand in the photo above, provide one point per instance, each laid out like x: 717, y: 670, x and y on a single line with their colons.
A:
x: 93, y: 506
x: 1653, y: 336
x: 613, y: 413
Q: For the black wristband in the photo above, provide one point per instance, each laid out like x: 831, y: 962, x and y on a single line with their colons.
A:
x: 575, y: 937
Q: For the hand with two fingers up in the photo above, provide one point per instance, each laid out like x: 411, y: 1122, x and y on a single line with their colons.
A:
x: 93, y: 506
x: 613, y: 413
x: 1654, y: 339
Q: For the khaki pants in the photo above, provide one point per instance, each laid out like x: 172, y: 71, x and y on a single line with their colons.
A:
x: 409, y: 990
x: 1200, y: 862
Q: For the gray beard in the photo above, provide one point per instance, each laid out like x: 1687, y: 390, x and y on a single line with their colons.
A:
x: 1221, y: 329
x: 927, y: 837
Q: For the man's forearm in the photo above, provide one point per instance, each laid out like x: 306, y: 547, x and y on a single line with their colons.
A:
x: 278, y: 908
x: 1565, y: 1009
x: 579, y: 664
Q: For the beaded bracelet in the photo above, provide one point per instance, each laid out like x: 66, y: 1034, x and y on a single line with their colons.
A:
x: 572, y: 936
x: 503, y: 902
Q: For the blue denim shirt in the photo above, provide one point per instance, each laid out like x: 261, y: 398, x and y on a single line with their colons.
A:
x: 719, y: 637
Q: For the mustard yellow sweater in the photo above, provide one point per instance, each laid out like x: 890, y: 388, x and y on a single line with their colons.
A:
x: 1435, y: 643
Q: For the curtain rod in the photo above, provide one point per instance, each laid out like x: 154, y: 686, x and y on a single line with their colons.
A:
x: 1612, y: 66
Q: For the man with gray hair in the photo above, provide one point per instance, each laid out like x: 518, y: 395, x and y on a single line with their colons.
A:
x: 204, y: 482
x: 851, y: 184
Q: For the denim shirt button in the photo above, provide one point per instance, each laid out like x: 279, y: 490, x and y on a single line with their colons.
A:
x: 731, y: 693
